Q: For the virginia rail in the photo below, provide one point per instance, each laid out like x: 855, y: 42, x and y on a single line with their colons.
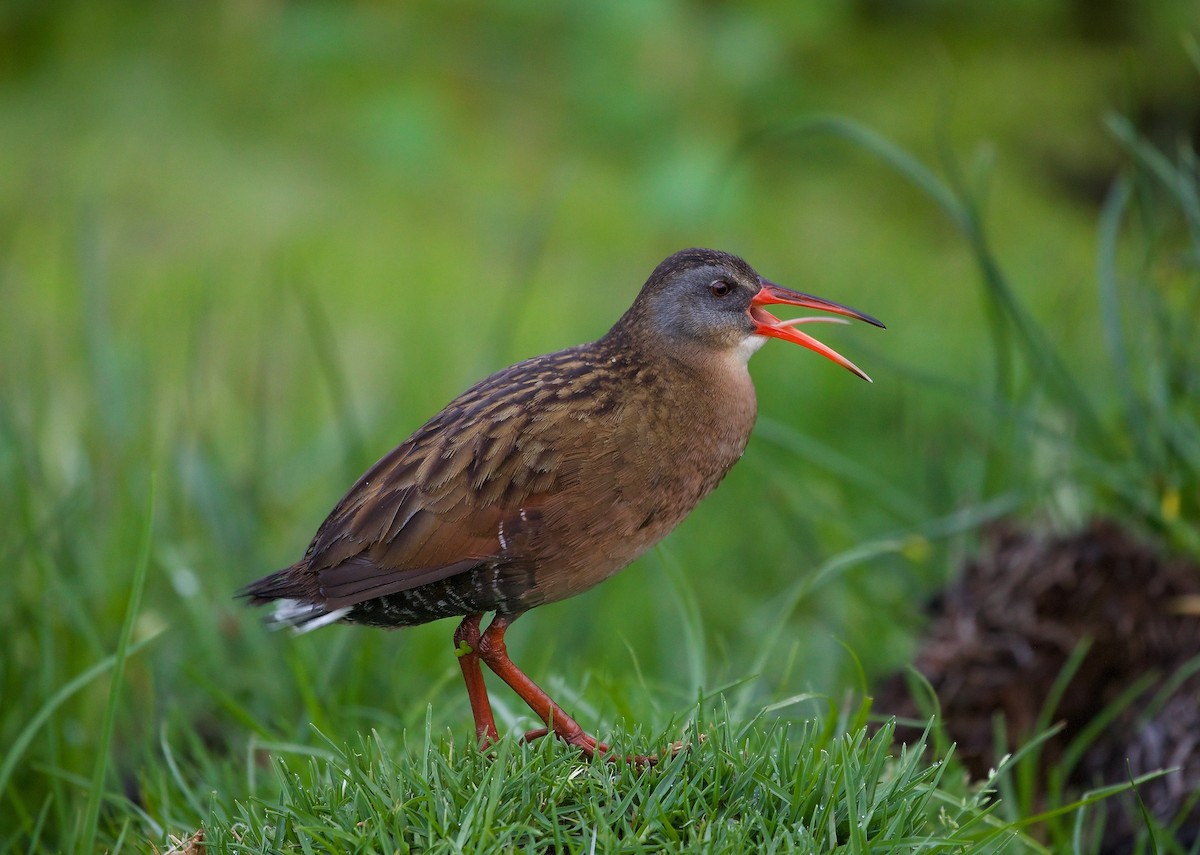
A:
x: 550, y: 476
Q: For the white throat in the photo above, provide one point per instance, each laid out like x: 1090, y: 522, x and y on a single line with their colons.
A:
x: 749, y: 346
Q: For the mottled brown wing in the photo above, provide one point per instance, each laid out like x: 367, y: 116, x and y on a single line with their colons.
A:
x: 463, y: 491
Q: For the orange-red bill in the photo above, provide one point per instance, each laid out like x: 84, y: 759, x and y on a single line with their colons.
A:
x: 767, y: 324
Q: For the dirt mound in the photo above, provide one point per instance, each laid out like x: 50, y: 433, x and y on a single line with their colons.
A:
x: 1001, y: 636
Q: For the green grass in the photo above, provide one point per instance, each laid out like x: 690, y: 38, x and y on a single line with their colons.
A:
x: 761, y: 784
x: 249, y: 252
x: 821, y: 784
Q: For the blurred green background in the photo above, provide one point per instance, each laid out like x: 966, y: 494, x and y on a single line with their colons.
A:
x: 250, y: 246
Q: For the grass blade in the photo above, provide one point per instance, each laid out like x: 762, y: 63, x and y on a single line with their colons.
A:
x: 17, y: 749
x: 92, y: 811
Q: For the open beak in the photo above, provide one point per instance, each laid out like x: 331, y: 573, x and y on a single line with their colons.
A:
x: 766, y: 324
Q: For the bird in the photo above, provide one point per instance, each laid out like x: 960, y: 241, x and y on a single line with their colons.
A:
x: 548, y: 477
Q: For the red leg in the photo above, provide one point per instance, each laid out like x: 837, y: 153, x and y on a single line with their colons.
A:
x: 495, y: 655
x: 466, y: 648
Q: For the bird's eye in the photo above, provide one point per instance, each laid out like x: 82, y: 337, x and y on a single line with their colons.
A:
x: 720, y: 288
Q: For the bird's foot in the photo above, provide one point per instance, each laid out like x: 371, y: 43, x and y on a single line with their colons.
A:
x: 590, y: 747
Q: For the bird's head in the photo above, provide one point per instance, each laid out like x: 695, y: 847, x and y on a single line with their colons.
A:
x: 714, y: 301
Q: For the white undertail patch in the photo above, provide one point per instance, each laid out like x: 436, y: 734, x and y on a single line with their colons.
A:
x: 303, y: 617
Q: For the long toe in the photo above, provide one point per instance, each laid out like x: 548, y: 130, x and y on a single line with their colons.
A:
x: 536, y: 733
x: 587, y: 744
x: 591, y: 747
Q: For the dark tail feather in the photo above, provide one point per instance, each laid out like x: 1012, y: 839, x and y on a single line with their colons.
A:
x: 285, y: 584
x: 297, y: 605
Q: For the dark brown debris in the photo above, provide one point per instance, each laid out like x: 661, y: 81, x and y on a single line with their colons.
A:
x: 1003, y: 633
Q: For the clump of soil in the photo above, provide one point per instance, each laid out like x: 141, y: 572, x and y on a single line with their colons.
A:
x: 1002, y: 634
